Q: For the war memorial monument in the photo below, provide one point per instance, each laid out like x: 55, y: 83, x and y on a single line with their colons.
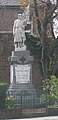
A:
x: 21, y: 87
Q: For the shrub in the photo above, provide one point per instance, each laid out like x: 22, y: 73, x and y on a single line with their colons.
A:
x: 50, y: 91
x: 3, y: 88
x: 10, y: 102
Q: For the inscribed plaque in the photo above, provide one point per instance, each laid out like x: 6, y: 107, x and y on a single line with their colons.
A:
x: 22, y: 73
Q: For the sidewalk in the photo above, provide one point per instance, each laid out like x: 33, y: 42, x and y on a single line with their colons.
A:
x: 42, y: 118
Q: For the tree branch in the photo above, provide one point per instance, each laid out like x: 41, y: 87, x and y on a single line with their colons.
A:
x: 37, y: 16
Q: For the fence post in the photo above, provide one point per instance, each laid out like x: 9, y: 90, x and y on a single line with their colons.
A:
x: 21, y: 104
x: 33, y: 101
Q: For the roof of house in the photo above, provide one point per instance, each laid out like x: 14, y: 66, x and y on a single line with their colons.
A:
x: 9, y: 2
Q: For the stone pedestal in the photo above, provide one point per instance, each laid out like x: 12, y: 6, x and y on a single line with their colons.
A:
x: 20, y: 67
x: 21, y: 87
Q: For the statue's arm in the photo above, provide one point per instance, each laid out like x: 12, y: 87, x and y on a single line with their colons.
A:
x: 14, y: 27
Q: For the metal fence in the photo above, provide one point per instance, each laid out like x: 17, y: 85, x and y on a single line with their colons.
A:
x: 28, y: 102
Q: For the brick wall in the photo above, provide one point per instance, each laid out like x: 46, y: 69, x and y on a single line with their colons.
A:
x: 7, y: 17
x: 6, y: 47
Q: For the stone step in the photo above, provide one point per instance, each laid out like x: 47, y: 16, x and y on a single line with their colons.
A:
x: 22, y: 86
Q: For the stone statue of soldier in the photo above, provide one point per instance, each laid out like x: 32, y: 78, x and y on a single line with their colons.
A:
x: 19, y: 30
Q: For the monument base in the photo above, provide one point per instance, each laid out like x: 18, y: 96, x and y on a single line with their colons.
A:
x: 21, y: 88
x: 24, y: 95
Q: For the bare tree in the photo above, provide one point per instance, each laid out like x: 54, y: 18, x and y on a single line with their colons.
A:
x: 42, y: 31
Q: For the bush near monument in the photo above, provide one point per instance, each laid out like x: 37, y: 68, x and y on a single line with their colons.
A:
x: 3, y: 88
x: 50, y: 91
x: 10, y: 102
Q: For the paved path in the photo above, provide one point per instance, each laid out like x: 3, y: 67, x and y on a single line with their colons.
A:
x: 42, y: 118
